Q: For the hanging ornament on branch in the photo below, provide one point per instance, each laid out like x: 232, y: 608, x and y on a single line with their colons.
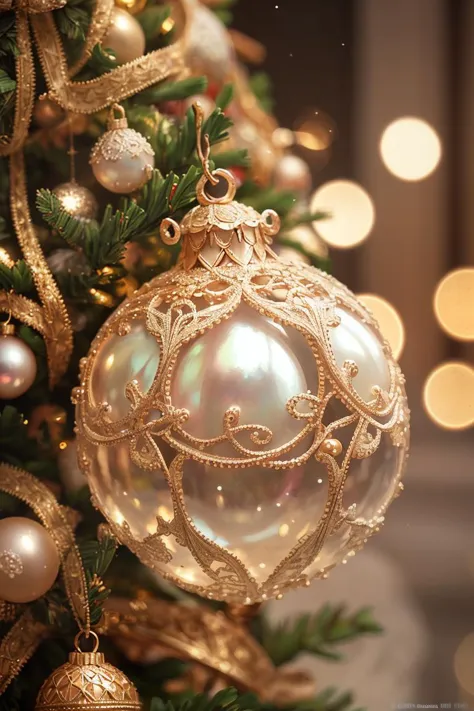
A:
x: 17, y: 364
x: 87, y: 681
x: 250, y: 406
x: 74, y: 198
x: 29, y: 560
x: 124, y: 37
x: 122, y: 159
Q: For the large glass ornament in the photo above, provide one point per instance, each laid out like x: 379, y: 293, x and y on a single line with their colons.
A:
x: 241, y: 421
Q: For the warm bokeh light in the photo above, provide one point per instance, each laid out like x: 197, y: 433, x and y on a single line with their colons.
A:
x: 463, y: 665
x: 454, y: 304
x: 410, y: 148
x: 315, y: 131
x: 351, y: 213
x: 448, y: 395
x: 390, y: 321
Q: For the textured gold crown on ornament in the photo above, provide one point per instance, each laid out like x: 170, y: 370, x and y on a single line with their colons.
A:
x: 220, y: 230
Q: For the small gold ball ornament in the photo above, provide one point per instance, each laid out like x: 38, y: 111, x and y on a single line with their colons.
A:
x: 124, y: 37
x: 89, y: 683
x: 77, y: 200
x: 47, y: 113
x: 122, y: 160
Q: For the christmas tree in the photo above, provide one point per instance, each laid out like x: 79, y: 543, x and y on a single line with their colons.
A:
x: 108, y: 113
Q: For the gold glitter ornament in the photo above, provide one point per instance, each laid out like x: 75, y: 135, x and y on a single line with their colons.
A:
x: 241, y: 421
x: 87, y: 682
x: 122, y: 160
x: 77, y: 200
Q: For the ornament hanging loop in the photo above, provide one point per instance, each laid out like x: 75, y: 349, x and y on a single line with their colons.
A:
x: 7, y: 328
x: 113, y: 122
x: 205, y: 198
x: 202, y: 143
x: 86, y: 634
x: 170, y: 232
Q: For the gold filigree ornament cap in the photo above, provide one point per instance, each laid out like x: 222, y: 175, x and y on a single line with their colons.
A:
x: 86, y: 681
x: 219, y: 230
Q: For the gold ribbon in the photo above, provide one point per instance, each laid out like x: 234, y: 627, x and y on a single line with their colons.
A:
x: 18, y: 646
x: 52, y: 515
x: 51, y: 320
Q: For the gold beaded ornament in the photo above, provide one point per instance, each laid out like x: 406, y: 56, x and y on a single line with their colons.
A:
x: 241, y: 420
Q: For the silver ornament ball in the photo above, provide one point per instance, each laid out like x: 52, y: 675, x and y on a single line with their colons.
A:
x: 29, y: 560
x: 125, y: 37
x: 17, y: 365
x: 209, y: 49
x: 122, y: 160
x: 77, y: 200
x: 292, y: 173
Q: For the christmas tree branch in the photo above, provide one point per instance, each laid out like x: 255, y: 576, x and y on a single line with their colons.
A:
x: 319, y: 634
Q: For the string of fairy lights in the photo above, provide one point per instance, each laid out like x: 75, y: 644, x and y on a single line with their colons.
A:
x: 411, y: 150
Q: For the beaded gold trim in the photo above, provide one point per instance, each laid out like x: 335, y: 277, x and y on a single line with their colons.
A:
x: 53, y: 323
x: 18, y: 646
x: 306, y: 301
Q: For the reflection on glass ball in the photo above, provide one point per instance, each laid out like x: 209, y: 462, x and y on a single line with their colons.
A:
x: 212, y: 462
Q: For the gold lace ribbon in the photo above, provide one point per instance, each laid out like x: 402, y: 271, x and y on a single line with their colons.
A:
x: 51, y: 319
x: 18, y: 646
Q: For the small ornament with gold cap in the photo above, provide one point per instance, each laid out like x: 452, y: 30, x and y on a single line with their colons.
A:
x: 87, y: 681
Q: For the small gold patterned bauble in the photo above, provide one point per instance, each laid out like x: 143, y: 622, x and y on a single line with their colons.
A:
x: 86, y: 681
x: 131, y: 6
x: 124, y: 37
x: 122, y: 160
x: 77, y: 200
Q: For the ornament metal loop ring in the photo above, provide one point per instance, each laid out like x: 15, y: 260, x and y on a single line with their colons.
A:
x: 205, y: 199
x: 82, y: 633
x: 270, y: 222
x: 170, y: 231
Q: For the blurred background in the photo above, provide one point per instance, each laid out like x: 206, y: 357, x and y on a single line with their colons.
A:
x: 381, y: 93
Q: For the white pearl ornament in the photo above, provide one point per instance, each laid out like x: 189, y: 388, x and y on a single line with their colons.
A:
x: 17, y: 364
x: 122, y: 160
x: 125, y: 37
x: 29, y: 560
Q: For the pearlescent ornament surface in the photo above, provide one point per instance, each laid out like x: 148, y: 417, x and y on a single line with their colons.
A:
x: 17, y: 367
x: 125, y: 37
x: 209, y: 49
x: 354, y: 340
x: 29, y: 560
x: 208, y: 457
x: 242, y: 424
x: 292, y: 173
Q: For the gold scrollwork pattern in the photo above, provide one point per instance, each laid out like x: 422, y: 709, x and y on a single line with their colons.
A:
x: 181, y: 305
